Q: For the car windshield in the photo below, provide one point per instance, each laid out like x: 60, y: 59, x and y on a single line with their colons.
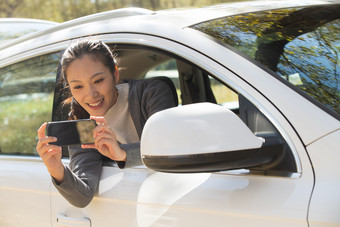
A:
x: 299, y: 44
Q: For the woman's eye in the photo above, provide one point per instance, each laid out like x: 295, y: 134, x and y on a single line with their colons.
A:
x: 98, y: 81
x: 77, y: 87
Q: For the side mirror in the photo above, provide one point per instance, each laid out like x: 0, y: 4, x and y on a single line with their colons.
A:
x: 200, y: 137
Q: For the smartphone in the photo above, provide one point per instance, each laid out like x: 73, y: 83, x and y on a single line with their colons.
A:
x: 71, y: 132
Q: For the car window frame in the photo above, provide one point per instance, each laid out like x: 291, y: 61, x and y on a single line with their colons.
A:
x: 195, y: 56
x: 111, y: 163
x: 150, y: 41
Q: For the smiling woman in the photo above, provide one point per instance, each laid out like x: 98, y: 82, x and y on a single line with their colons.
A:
x: 92, y: 85
x: 88, y: 71
x: 90, y: 75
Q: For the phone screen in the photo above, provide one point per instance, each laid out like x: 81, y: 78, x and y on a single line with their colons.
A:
x: 72, y: 132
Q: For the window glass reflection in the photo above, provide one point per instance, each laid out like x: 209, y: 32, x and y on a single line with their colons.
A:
x: 26, y: 99
x: 300, y: 44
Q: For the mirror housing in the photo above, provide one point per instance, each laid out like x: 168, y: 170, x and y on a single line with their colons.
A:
x: 202, y: 137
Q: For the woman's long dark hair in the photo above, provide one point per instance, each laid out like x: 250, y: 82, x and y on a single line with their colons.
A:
x: 96, y: 49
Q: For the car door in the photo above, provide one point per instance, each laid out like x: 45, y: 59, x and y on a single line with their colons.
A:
x: 247, y: 197
x: 26, y: 98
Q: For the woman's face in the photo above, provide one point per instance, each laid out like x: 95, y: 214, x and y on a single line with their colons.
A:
x: 92, y: 85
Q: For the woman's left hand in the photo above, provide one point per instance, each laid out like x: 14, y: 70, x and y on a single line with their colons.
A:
x: 105, y: 141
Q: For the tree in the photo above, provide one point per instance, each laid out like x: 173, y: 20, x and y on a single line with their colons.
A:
x: 8, y: 8
x: 63, y: 10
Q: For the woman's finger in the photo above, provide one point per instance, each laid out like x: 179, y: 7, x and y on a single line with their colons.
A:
x: 89, y: 146
x: 41, y: 130
x: 99, y: 120
x: 111, y: 150
x: 44, y: 141
x: 105, y: 141
x: 98, y: 135
x: 48, y: 150
x: 49, y: 139
x: 103, y: 131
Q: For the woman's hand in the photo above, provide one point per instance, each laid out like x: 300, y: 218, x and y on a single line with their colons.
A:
x: 105, y: 141
x: 50, y: 154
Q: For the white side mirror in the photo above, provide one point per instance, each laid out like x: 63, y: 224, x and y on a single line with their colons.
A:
x: 197, y: 138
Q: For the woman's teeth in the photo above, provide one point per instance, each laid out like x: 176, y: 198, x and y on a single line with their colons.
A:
x: 96, y: 103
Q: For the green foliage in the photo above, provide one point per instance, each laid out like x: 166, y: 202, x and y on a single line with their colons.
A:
x: 63, y: 10
x: 26, y: 97
x: 20, y: 121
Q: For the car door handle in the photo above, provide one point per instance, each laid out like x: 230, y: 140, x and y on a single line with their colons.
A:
x: 65, y: 221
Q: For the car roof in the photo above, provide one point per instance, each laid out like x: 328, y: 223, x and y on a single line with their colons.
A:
x: 26, y: 20
x: 190, y: 16
x: 137, y: 17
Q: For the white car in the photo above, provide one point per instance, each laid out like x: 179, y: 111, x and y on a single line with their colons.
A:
x: 254, y: 141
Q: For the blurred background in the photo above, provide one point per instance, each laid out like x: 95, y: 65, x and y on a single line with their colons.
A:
x: 63, y: 10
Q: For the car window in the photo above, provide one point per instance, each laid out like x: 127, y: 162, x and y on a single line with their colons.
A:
x: 26, y: 99
x: 305, y: 51
x: 222, y: 94
x: 194, y: 85
x: 168, y: 69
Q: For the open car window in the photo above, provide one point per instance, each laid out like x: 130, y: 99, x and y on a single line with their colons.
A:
x: 194, y: 85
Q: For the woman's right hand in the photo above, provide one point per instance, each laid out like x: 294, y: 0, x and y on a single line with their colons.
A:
x: 50, y: 154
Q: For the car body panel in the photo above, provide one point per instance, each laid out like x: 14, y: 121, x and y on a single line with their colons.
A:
x: 154, y: 198
x: 324, y: 154
x: 25, y: 189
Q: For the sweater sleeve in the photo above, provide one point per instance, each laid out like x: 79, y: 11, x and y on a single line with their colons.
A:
x: 132, y: 155
x: 157, y: 96
x: 82, y: 177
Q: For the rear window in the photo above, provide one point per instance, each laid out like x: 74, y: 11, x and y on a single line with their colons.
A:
x: 301, y: 45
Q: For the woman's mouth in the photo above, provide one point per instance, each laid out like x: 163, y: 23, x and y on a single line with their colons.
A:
x: 95, y: 105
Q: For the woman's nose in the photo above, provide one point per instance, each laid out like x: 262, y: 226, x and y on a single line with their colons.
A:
x: 92, y: 92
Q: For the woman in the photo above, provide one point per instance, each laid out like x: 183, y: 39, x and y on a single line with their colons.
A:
x: 90, y: 73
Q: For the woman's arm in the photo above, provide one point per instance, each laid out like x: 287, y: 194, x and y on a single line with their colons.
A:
x: 81, y: 178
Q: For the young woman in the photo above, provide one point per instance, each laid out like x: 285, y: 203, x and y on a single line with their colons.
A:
x: 90, y: 73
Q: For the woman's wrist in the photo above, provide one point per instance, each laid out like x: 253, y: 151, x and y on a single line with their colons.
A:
x: 58, y: 173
